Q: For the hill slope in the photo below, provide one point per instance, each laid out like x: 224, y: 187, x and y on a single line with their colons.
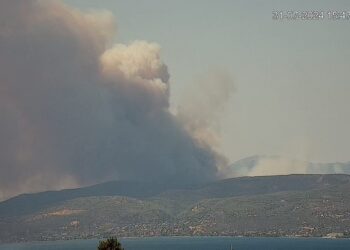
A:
x: 273, y: 205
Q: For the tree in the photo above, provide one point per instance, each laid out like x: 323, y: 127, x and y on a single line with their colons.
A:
x: 110, y: 244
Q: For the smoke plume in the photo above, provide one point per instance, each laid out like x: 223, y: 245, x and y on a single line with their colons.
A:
x: 76, y: 109
x: 203, y: 103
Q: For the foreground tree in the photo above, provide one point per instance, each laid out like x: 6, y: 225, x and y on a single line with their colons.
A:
x: 110, y: 244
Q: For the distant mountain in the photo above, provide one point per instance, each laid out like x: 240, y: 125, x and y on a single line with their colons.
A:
x: 244, y: 166
x: 307, y: 205
x: 277, y: 165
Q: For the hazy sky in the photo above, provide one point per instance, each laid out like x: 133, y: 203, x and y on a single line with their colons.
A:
x: 292, y: 89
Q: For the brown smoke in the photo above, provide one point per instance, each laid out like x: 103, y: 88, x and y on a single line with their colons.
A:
x: 77, y: 110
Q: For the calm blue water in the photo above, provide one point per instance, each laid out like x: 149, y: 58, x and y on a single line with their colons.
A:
x: 193, y: 243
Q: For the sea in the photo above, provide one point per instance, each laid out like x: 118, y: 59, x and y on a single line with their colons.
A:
x: 193, y: 243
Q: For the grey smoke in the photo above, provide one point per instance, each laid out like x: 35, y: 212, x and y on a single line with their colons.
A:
x: 77, y: 110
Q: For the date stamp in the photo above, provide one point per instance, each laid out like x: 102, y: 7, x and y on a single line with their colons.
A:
x: 314, y: 15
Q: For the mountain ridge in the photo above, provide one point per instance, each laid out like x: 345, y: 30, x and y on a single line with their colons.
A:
x: 262, y: 165
x: 287, y: 205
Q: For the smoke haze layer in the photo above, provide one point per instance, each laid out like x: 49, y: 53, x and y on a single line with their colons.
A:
x: 76, y: 109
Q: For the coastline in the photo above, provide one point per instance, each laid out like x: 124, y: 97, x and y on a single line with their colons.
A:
x: 175, y: 237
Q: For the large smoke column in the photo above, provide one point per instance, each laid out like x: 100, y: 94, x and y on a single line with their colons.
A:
x: 76, y: 110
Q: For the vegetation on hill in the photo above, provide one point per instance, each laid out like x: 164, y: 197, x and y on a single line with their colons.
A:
x: 110, y: 244
x: 296, y: 205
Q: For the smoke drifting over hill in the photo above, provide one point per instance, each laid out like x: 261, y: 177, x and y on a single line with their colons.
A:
x: 77, y: 110
x: 279, y: 165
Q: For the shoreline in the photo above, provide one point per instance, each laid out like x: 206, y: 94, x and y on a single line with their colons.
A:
x: 172, y: 237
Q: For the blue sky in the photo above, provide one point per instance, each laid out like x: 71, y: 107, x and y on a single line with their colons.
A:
x: 291, y: 78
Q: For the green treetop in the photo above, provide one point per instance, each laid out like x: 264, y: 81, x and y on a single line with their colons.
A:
x: 110, y: 244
